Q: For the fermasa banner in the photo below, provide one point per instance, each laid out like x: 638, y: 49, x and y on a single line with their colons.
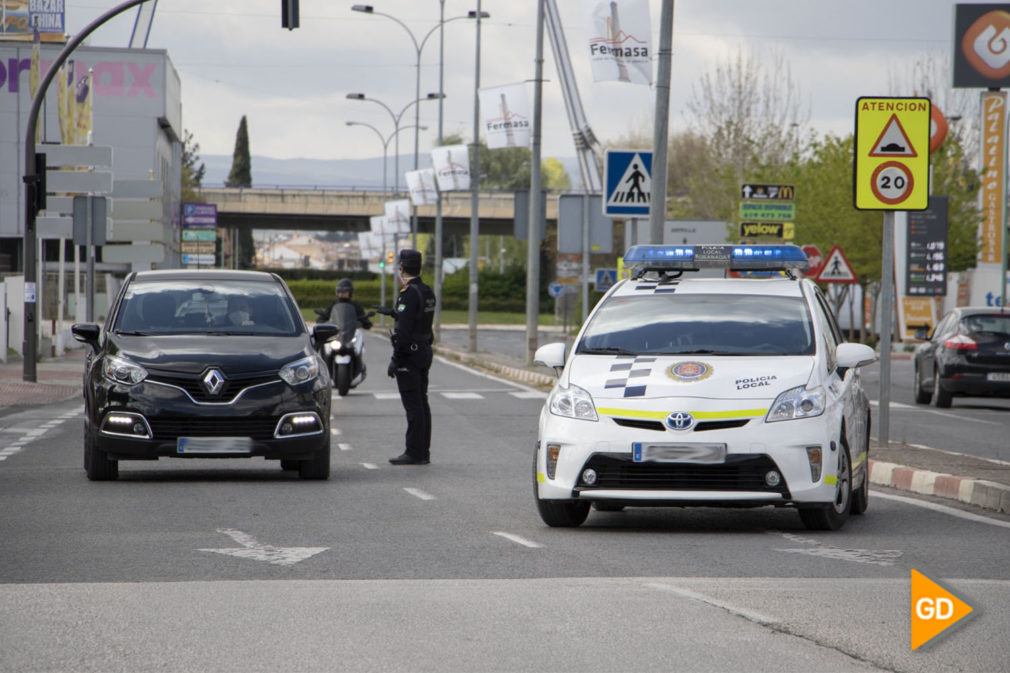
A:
x: 421, y: 185
x: 397, y: 220
x: 619, y: 40
x: 452, y: 167
x: 506, y: 111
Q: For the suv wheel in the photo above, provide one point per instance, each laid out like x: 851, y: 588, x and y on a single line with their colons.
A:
x: 941, y: 398
x: 318, y: 466
x: 97, y: 464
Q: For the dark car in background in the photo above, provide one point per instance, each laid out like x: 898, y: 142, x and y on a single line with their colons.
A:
x: 966, y: 354
x: 205, y: 364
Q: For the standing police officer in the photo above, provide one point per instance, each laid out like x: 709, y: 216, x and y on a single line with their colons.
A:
x: 412, y: 339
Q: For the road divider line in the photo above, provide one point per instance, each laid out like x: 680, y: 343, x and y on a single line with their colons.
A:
x: 370, y: 466
x: 749, y: 615
x: 942, y: 508
x: 517, y: 539
x: 344, y: 446
x: 418, y: 493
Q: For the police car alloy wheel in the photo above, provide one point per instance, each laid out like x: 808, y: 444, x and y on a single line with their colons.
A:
x: 696, y: 389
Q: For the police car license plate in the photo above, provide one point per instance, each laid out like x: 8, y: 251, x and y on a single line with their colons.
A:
x: 198, y: 445
x: 678, y: 453
x: 997, y: 376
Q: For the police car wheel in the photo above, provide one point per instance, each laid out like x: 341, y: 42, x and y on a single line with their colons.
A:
x: 607, y: 507
x: 861, y: 495
x: 563, y: 513
x: 832, y: 515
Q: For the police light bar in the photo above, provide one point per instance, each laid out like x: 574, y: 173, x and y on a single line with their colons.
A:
x: 642, y: 258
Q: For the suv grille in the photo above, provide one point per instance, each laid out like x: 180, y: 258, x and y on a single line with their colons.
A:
x: 167, y: 429
x: 193, y: 384
x: 738, y: 473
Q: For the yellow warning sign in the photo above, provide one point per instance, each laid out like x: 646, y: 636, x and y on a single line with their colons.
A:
x: 934, y: 609
x: 892, y: 154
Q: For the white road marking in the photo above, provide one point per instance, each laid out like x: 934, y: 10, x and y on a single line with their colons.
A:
x: 370, y: 466
x: 517, y: 539
x: 995, y: 461
x: 344, y: 446
x: 462, y: 396
x: 334, y: 431
x: 898, y: 405
x: 708, y: 600
x: 418, y: 493
x: 530, y: 395
x: 942, y: 508
x: 815, y: 548
x: 387, y: 396
x: 251, y: 549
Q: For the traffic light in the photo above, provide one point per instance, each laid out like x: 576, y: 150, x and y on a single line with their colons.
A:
x: 389, y: 257
x: 289, y: 14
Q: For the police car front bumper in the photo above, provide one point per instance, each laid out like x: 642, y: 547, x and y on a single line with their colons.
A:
x: 758, y: 464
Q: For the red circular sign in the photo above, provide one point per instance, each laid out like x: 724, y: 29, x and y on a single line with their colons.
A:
x: 892, y: 182
x: 937, y: 127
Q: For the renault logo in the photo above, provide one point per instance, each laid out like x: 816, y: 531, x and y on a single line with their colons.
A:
x: 213, y: 382
x: 680, y: 420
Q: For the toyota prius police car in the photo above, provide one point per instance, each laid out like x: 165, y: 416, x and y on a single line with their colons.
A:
x: 688, y: 390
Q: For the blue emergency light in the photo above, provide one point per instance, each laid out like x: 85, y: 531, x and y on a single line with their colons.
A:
x: 662, y: 258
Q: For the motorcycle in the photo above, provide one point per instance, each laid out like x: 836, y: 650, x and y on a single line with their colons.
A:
x: 344, y: 353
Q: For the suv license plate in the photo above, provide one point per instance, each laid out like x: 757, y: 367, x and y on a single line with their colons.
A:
x: 678, y: 453
x: 998, y: 376
x: 196, y: 445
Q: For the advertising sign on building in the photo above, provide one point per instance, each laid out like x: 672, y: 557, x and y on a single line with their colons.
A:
x: 22, y: 17
x: 981, y: 59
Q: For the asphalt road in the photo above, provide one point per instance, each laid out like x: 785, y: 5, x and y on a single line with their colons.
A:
x: 202, y: 565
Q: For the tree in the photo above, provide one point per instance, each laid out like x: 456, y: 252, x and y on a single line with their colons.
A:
x: 241, y: 176
x: 241, y: 168
x: 193, y: 169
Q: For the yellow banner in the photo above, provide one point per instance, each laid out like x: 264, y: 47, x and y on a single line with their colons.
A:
x: 993, y: 174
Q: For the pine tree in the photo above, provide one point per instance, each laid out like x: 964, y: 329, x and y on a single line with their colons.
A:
x: 241, y: 176
x: 241, y: 168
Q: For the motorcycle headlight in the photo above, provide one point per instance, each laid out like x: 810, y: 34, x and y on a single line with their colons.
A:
x: 121, y: 370
x: 300, y: 371
x: 573, y: 402
x: 797, y: 403
x: 330, y: 346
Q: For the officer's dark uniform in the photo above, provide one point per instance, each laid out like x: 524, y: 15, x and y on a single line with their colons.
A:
x: 412, y: 339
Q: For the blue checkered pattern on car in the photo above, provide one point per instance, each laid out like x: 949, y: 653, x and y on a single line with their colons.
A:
x: 628, y: 370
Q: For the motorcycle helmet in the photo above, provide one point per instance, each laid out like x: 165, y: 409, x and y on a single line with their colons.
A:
x: 345, y: 285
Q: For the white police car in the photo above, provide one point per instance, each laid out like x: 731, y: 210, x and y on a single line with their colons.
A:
x: 706, y: 391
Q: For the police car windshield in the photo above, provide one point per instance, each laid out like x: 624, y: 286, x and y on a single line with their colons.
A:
x: 710, y: 324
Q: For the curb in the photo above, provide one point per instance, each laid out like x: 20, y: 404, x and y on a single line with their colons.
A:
x: 480, y: 361
x: 978, y: 492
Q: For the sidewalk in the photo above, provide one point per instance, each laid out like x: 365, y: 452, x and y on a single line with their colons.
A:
x: 501, y: 350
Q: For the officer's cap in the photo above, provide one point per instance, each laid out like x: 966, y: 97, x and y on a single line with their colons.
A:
x: 410, y: 260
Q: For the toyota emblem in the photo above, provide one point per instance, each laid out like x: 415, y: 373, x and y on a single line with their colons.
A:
x: 213, y: 382
x: 680, y: 420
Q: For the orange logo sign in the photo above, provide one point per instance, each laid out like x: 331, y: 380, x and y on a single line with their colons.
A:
x: 986, y: 45
x: 934, y: 609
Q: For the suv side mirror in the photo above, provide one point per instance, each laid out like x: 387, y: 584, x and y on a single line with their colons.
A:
x: 88, y: 333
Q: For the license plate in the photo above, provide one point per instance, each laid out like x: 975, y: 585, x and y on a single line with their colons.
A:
x: 196, y: 445
x: 998, y: 376
x: 678, y: 453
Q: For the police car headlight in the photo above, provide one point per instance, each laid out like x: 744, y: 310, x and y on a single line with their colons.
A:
x: 797, y: 403
x: 300, y: 371
x: 573, y: 402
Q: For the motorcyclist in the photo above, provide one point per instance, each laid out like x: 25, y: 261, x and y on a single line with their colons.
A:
x: 345, y: 290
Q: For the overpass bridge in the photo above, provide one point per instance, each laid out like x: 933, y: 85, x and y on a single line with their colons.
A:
x: 350, y: 210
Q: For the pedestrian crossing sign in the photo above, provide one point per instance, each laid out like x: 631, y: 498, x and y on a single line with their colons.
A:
x: 627, y: 177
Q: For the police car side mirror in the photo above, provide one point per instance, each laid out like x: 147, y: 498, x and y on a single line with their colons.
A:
x: 854, y: 355
x: 551, y: 355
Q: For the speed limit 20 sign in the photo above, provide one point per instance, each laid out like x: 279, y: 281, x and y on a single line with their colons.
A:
x: 892, y: 154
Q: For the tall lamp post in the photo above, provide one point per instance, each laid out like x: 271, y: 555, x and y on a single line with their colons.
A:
x: 385, y: 155
x: 418, y: 47
x: 396, y: 126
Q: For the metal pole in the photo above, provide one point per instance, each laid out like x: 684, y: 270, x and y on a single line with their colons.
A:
x: 886, y: 318
x: 91, y: 263
x: 657, y: 211
x: 438, y: 203
x: 30, y: 344
x: 536, y: 196
x: 474, y: 194
x: 417, y: 134
x: 585, y: 256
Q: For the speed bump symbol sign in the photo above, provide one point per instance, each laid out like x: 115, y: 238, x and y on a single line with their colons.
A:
x: 892, y: 154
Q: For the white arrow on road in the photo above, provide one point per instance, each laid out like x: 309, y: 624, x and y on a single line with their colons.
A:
x: 251, y: 549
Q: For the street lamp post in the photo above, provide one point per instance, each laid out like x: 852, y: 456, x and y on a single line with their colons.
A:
x: 418, y: 47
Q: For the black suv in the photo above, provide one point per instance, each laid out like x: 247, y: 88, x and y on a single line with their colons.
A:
x: 205, y: 364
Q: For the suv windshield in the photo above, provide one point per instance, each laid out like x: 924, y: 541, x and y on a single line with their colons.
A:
x: 711, y: 324
x: 199, y: 306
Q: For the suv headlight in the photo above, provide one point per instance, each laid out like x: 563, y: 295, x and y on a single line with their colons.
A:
x: 573, y: 402
x: 121, y: 370
x: 300, y: 371
x: 797, y: 403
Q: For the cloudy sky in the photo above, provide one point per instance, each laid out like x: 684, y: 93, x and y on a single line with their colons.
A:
x: 234, y: 58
